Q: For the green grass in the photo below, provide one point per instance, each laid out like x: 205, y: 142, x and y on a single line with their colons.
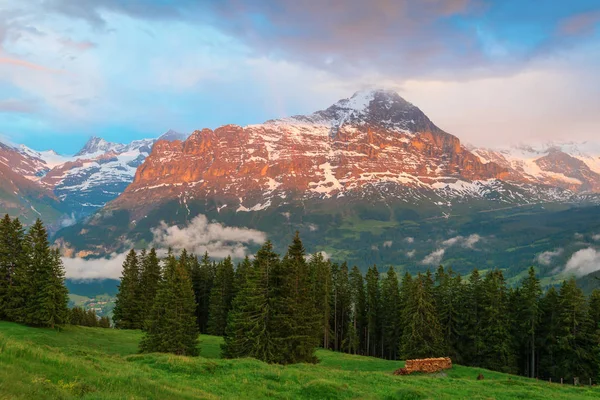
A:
x: 91, y: 363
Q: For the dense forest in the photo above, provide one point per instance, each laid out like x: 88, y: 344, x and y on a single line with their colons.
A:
x: 279, y: 309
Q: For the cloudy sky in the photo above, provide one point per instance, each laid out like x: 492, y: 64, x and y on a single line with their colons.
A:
x: 490, y: 72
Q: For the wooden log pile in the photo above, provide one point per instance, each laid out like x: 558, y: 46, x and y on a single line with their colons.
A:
x: 427, y: 365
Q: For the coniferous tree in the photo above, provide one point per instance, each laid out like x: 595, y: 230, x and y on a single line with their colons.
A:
x: 471, y: 343
x: 447, y: 295
x: 498, y: 350
x: 373, y: 306
x: 529, y: 318
x: 254, y: 326
x: 220, y: 298
x: 358, y: 318
x: 391, y: 314
x: 128, y: 305
x: 13, y: 269
x: 47, y: 297
x: 422, y: 334
x: 574, y: 340
x: 299, y: 320
x: 549, y: 335
x: 321, y: 294
x: 241, y: 276
x: 594, y: 316
x: 340, y: 306
x: 172, y: 326
x: 150, y: 278
x: 104, y: 322
x: 203, y: 277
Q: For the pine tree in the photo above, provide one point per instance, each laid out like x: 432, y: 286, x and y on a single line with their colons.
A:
x: 220, y: 298
x: 241, y: 276
x: 447, y: 295
x: 254, y: 327
x: 549, y: 335
x: 574, y: 339
x: 150, y: 278
x: 321, y: 294
x: 391, y: 314
x: 15, y: 268
x: 358, y: 318
x: 299, y: 322
x: 128, y: 305
x: 373, y: 306
x: 203, y: 277
x: 594, y: 317
x: 471, y: 344
x: 498, y: 350
x: 172, y: 326
x: 530, y: 316
x: 47, y: 298
x: 340, y: 306
x: 422, y: 335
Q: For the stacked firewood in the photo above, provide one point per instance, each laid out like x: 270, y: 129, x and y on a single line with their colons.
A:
x: 427, y: 365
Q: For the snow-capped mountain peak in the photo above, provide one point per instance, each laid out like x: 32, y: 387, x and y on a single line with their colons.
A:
x: 96, y: 145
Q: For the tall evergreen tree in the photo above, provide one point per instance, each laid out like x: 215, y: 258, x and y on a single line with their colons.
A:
x: 549, y: 335
x: 447, y: 294
x: 203, y: 277
x: 47, y: 297
x: 373, y: 306
x: 422, y: 334
x: 471, y: 344
x: 254, y: 324
x: 150, y: 279
x: 530, y: 317
x: 340, y: 306
x: 172, y: 326
x: 359, y: 320
x: 128, y: 305
x: 321, y: 294
x: 221, y: 297
x: 300, y: 322
x: 498, y: 350
x: 574, y: 339
x: 13, y: 269
x: 391, y: 314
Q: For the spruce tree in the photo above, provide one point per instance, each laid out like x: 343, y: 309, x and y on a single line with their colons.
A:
x: 321, y: 294
x: 255, y: 326
x: 358, y: 318
x: 47, y: 298
x: 471, y: 344
x: 340, y: 306
x: 298, y: 319
x: 220, y: 298
x: 575, y: 355
x: 422, y: 334
x: 549, y: 335
x: 530, y: 316
x: 203, y: 277
x: 128, y: 305
x: 150, y: 278
x: 172, y: 326
x: 15, y: 267
x: 447, y: 295
x: 391, y: 314
x: 373, y: 307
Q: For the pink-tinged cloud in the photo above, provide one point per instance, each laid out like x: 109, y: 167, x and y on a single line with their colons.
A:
x: 75, y: 45
x: 579, y: 24
x: 26, y: 64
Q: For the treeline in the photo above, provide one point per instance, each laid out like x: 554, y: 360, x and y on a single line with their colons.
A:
x: 32, y: 288
x: 279, y: 309
x: 82, y: 317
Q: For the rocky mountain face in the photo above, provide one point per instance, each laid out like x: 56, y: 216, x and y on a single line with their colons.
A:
x: 565, y: 165
x: 373, y: 138
x: 76, y: 186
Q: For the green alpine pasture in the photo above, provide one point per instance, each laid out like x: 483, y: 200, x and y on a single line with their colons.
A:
x: 93, y: 363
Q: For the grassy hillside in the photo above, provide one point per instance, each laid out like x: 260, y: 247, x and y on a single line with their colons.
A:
x: 92, y: 363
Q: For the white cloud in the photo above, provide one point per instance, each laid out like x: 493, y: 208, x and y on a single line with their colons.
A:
x: 202, y: 236
x: 546, y: 257
x: 374, y: 247
x: 584, y: 262
x: 596, y: 237
x: 313, y: 227
x: 388, y: 243
x: 434, y: 258
x: 324, y: 254
x: 409, y: 240
x: 466, y: 242
x: 411, y: 254
x: 101, y: 268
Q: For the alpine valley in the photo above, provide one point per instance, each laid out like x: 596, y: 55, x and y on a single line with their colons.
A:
x: 370, y: 180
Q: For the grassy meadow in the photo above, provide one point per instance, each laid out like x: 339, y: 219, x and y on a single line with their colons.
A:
x: 94, y: 363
